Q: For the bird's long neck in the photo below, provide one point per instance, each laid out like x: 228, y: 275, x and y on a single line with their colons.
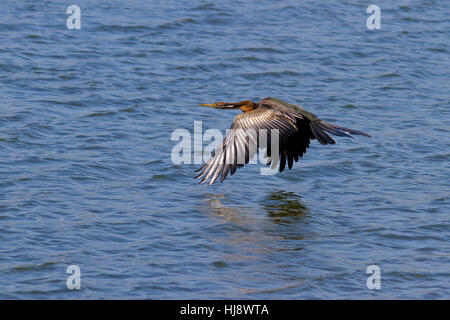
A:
x: 247, y: 106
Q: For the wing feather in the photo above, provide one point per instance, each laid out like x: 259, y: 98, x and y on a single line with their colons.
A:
x: 242, y: 143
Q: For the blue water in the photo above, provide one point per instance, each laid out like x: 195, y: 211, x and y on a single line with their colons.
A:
x: 85, y: 150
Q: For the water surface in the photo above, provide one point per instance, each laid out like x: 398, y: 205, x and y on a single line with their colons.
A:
x: 85, y: 150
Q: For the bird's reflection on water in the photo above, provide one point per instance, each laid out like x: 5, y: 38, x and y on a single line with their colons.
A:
x: 281, y: 206
x: 273, y: 233
x: 280, y: 228
x: 284, y: 207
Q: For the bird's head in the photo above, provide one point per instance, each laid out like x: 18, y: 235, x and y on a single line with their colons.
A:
x: 245, y: 106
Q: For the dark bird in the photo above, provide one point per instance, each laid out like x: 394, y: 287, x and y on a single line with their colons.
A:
x: 296, y: 127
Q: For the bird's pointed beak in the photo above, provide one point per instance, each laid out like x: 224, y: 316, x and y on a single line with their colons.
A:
x: 221, y: 105
x: 214, y: 105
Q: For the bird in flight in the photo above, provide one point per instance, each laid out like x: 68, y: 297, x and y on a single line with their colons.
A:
x: 294, y: 126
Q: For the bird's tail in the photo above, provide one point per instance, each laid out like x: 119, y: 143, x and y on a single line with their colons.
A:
x: 320, y: 128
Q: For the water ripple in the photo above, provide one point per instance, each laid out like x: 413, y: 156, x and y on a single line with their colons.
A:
x: 85, y: 143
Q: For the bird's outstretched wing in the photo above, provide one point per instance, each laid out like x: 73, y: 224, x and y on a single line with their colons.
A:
x: 309, y: 127
x: 242, y: 141
x: 305, y: 119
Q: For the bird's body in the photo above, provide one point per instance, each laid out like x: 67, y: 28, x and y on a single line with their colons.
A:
x: 295, y: 127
